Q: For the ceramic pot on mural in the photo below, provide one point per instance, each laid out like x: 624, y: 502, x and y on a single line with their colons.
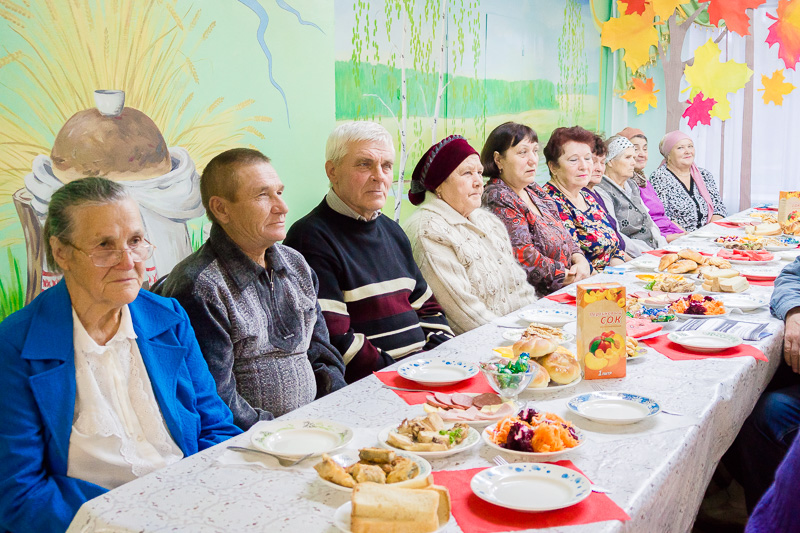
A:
x: 125, y: 145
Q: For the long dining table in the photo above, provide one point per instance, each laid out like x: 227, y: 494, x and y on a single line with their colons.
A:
x: 657, y: 470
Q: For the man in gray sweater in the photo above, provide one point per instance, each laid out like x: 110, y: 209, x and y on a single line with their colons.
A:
x: 253, y: 302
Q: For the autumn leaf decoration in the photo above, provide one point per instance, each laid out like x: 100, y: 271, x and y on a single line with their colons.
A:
x: 699, y: 110
x: 635, y: 6
x: 734, y: 13
x: 634, y: 34
x: 642, y: 94
x: 716, y: 79
x: 785, y: 32
x: 775, y: 88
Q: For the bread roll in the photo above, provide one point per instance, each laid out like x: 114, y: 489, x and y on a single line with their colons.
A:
x: 691, y: 255
x: 562, y: 368
x: 387, y: 509
x: 718, y: 262
x: 541, y: 379
x: 682, y: 266
x: 534, y: 346
x: 667, y: 260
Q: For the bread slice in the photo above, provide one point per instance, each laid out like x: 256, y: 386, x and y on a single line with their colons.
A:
x: 711, y: 285
x: 737, y: 284
x: 721, y: 273
x: 768, y: 229
x: 444, y: 503
x: 383, y: 508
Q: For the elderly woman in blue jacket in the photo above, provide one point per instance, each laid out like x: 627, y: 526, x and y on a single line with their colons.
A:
x: 101, y: 382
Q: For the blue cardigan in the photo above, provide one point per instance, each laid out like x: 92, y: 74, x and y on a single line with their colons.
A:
x: 37, y: 391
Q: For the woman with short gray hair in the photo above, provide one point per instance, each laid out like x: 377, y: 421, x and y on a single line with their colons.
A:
x: 102, y: 382
x: 623, y: 202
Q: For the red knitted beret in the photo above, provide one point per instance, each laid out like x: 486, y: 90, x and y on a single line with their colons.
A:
x: 437, y: 164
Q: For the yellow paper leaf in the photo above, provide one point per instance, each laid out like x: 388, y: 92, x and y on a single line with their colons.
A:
x: 634, y: 34
x: 716, y: 79
x: 642, y: 95
x: 775, y: 88
x: 665, y: 8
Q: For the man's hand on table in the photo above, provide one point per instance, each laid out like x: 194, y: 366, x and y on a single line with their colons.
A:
x: 791, y: 340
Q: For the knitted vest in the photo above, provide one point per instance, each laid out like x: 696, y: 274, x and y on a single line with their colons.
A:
x: 632, y: 215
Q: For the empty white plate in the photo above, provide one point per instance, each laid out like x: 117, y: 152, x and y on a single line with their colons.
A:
x: 437, y: 372
x: 514, y: 335
x: 705, y: 341
x: 551, y: 317
x: 613, y: 407
x: 531, y: 486
x: 743, y: 302
x: 296, y: 438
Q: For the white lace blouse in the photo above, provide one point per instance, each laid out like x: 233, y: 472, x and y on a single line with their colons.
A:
x: 118, y: 432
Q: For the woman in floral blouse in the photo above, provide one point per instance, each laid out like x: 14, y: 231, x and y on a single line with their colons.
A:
x: 541, y: 243
x: 569, y: 159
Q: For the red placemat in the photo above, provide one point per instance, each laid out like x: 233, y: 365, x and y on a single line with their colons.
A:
x: 476, y: 384
x: 765, y: 208
x: 475, y: 515
x: 563, y: 298
x: 662, y: 253
x: 676, y: 352
x: 731, y: 225
x: 759, y: 280
x: 639, y: 327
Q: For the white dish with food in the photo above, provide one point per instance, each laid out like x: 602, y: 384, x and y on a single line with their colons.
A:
x: 531, y: 487
x: 472, y: 439
x: 550, y: 317
x: 345, y: 458
x: 616, y: 408
x: 341, y: 518
x: 554, y: 387
x: 686, y: 316
x: 487, y: 439
x: 456, y: 408
x: 514, y: 335
x: 705, y: 341
x: 293, y: 439
x: 743, y: 302
x: 437, y: 372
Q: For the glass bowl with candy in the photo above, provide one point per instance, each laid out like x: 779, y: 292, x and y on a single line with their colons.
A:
x: 509, y: 378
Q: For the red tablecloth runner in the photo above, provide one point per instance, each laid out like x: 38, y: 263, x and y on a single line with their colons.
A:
x: 676, y: 352
x: 662, y: 253
x: 474, y: 515
x: 476, y: 384
x: 731, y: 225
x: 563, y: 298
x: 759, y: 280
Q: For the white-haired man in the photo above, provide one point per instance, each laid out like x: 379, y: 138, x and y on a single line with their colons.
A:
x: 375, y: 301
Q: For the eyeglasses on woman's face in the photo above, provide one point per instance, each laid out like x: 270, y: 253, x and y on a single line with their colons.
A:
x: 140, y: 250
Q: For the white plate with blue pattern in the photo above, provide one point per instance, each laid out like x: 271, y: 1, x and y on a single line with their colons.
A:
x: 550, y: 317
x: 531, y: 487
x: 293, y: 439
x: 611, y: 407
x: 437, y: 372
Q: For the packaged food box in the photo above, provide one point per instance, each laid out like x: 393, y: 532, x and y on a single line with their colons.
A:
x: 602, y: 330
x: 788, y: 203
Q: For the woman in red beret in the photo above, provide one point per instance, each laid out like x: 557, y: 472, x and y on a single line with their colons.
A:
x: 463, y: 251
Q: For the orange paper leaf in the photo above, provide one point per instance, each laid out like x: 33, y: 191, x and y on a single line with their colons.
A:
x: 775, y: 88
x: 634, y: 34
x: 699, y: 110
x: 665, y: 8
x: 734, y: 13
x: 785, y: 31
x: 642, y: 95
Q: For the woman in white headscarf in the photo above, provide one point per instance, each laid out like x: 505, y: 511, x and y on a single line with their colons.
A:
x: 623, y: 201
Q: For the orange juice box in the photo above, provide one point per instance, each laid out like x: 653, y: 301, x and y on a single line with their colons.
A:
x: 601, y: 330
x: 788, y: 203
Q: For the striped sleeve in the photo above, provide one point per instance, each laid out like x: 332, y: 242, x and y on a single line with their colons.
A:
x: 431, y: 315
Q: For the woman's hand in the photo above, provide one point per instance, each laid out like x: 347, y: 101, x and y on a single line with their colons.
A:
x: 581, y: 266
x: 569, y: 277
x: 617, y: 261
x: 674, y: 236
x: 714, y: 218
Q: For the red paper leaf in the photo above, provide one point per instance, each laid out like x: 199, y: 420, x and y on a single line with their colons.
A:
x: 734, y: 13
x: 699, y: 110
x: 785, y: 31
x: 636, y: 6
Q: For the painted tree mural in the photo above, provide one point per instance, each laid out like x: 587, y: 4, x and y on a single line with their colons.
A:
x: 572, y: 64
x: 419, y: 33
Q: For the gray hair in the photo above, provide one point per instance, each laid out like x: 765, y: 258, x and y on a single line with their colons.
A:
x: 78, y: 193
x: 348, y: 133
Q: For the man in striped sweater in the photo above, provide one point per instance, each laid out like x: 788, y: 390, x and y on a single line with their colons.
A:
x: 375, y: 301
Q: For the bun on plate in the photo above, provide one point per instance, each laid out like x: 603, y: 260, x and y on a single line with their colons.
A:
x: 562, y: 368
x: 667, y: 260
x: 387, y: 509
x: 682, y: 266
x: 691, y: 255
x: 541, y: 379
x: 534, y: 346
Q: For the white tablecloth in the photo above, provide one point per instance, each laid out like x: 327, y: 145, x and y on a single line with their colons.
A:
x: 657, y: 470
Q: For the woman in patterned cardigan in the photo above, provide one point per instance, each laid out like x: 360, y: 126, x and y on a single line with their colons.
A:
x: 462, y: 250
x: 540, y: 242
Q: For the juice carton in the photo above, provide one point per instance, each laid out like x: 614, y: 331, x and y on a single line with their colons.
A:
x: 788, y: 203
x: 601, y: 330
